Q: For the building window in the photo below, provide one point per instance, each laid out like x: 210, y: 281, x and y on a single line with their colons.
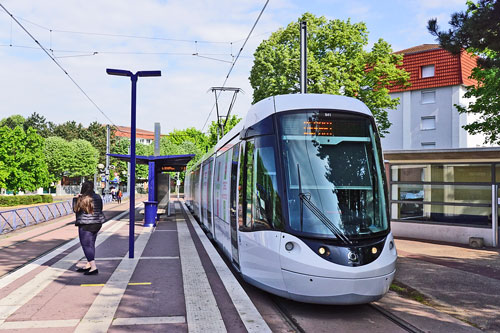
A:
x: 428, y: 145
x: 428, y: 123
x: 428, y: 96
x: 427, y: 71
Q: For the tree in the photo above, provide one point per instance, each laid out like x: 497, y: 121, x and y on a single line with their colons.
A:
x: 40, y: 124
x: 336, y: 61
x: 69, y: 130
x: 190, y: 134
x: 84, y: 159
x: 13, y: 121
x: 96, y: 135
x: 58, y: 157
x: 22, y: 162
x: 212, y: 130
x: 477, y: 31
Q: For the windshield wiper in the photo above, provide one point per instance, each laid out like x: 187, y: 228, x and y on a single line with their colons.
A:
x: 305, y: 199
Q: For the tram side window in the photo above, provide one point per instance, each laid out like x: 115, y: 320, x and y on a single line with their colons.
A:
x: 267, y: 203
x: 249, y: 181
x: 259, y: 199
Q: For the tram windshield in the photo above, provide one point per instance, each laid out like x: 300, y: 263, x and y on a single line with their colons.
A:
x: 332, y: 161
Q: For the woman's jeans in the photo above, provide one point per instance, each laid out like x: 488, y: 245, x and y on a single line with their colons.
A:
x: 88, y: 235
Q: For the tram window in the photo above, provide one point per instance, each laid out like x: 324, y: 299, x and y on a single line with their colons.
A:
x: 267, y: 203
x: 249, y: 181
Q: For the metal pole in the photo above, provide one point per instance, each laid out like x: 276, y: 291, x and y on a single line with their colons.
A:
x: 157, y: 139
x: 131, y: 236
x: 107, y: 160
x: 303, y: 57
x: 128, y: 173
x: 494, y: 214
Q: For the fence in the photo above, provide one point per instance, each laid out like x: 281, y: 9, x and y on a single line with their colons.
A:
x: 14, y: 219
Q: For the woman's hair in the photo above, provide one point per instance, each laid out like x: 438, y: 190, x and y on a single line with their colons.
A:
x: 85, y: 202
x: 87, y: 188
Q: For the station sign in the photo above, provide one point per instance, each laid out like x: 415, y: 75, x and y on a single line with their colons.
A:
x: 174, y: 168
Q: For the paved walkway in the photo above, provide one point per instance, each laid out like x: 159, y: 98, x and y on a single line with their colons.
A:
x: 460, y: 281
x: 171, y: 285
x: 178, y: 283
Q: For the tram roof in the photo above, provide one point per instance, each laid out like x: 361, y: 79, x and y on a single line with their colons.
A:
x: 290, y: 102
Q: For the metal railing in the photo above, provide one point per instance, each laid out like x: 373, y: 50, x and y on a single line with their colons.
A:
x: 14, y: 219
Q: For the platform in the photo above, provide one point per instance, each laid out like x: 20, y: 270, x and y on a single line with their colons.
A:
x: 171, y: 285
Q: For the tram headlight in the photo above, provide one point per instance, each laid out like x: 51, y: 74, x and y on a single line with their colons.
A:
x: 374, y: 250
x: 323, y: 251
x: 289, y: 246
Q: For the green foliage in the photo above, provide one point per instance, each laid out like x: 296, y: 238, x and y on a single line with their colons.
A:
x: 84, y: 160
x: 336, y: 61
x: 22, y: 163
x: 69, y: 130
x: 58, y: 156
x: 212, y: 131
x: 190, y: 134
x: 96, y: 135
x: 486, y: 104
x: 39, y: 123
x: 16, y: 200
x: 477, y: 31
x: 13, y: 121
x: 77, y: 158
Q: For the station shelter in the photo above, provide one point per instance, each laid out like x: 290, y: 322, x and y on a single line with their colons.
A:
x: 158, y: 181
x: 448, y: 195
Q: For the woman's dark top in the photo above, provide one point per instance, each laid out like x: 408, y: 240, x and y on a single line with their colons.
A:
x: 96, y: 218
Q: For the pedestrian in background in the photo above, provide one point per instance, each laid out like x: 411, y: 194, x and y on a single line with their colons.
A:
x: 119, y: 195
x: 89, y: 219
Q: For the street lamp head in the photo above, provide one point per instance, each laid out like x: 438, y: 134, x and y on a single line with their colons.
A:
x: 148, y: 73
x: 118, y: 72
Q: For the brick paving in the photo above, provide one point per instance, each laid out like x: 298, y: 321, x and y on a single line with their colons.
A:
x: 152, y: 292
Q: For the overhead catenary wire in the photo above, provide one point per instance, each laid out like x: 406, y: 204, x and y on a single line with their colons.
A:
x: 58, y: 64
x: 235, y: 60
x: 138, y: 37
x: 95, y: 53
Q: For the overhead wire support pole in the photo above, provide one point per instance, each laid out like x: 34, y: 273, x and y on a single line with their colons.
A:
x: 237, y: 56
x: 303, y: 57
x: 219, y: 123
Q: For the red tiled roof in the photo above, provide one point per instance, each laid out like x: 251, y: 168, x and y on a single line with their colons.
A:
x: 449, y: 69
x: 419, y: 48
x: 124, y: 132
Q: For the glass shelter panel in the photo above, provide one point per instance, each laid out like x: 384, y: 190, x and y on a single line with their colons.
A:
x: 443, y: 214
x: 464, y: 194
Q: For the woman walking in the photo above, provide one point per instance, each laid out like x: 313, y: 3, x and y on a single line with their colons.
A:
x: 89, y: 219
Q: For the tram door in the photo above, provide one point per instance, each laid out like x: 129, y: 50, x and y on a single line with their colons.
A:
x: 234, y: 205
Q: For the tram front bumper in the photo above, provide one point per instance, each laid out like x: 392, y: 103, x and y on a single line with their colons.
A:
x: 324, y: 290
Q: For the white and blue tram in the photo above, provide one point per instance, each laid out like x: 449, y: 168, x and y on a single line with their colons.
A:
x: 296, y: 197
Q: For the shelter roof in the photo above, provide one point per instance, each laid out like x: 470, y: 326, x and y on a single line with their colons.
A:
x: 166, y: 161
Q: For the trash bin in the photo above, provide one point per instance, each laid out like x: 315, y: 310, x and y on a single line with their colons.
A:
x: 150, y: 213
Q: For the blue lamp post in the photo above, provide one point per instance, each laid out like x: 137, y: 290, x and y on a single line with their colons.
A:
x: 133, y: 78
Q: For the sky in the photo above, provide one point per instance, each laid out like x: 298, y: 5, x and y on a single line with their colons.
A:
x: 192, y: 42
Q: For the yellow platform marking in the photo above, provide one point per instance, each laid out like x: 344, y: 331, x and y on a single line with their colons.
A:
x: 102, y: 284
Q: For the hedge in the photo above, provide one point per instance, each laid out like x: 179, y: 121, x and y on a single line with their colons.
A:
x: 15, y: 200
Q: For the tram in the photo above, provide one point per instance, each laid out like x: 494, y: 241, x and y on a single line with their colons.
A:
x: 295, y: 195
